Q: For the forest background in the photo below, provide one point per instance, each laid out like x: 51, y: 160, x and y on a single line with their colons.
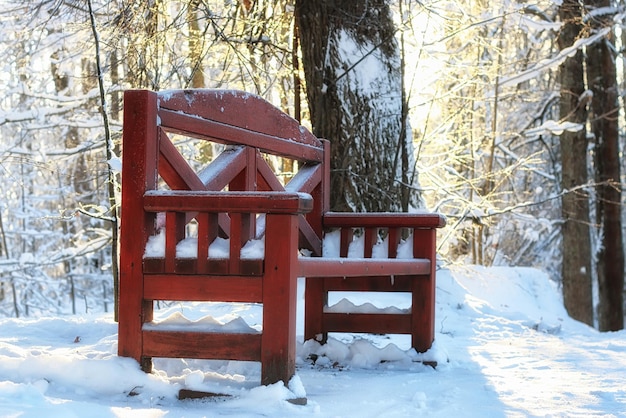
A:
x: 510, y: 117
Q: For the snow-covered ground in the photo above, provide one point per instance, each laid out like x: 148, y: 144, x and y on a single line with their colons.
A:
x: 504, y: 343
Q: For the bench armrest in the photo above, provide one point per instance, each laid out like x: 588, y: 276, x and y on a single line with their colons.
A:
x: 238, y: 202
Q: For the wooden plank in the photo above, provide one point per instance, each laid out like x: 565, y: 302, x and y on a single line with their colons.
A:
x: 368, y: 322
x: 308, y: 238
x: 202, y: 345
x: 279, y: 299
x: 207, y: 231
x: 237, y: 108
x: 173, y: 121
x: 226, y: 166
x: 393, y: 239
x: 354, y: 267
x: 266, y: 178
x: 138, y: 174
x: 174, y: 233
x: 235, y: 242
x: 306, y: 179
x: 346, y: 237
x: 371, y: 238
x: 215, y: 266
x: 383, y: 220
x: 173, y: 167
x: 423, y: 305
x: 242, y: 202
x: 201, y: 288
x: 315, y: 300
x: 370, y: 283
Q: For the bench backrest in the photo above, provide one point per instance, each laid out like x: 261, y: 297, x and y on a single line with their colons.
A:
x: 216, y: 116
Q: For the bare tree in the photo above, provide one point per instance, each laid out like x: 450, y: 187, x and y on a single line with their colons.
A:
x: 602, y: 79
x: 576, y: 239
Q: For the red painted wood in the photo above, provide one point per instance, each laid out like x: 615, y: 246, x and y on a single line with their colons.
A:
x: 315, y: 300
x: 309, y: 239
x: 200, y: 288
x: 138, y: 174
x: 266, y: 179
x: 326, y: 179
x: 393, y: 239
x: 174, y: 233
x: 371, y: 323
x: 202, y: 345
x: 423, y: 305
x: 217, y: 175
x: 207, y: 232
x: 356, y: 267
x: 174, y: 169
x: 371, y: 283
x: 240, y: 202
x: 383, y: 220
x: 346, y: 239
x: 295, y: 216
x: 279, y: 299
x: 189, y: 266
x: 228, y: 134
x: 226, y: 106
x: 236, y: 238
x: 371, y: 237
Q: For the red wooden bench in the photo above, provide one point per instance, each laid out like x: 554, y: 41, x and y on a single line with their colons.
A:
x: 239, y: 197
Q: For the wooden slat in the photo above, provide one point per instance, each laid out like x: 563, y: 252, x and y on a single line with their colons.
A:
x: 215, y: 266
x: 384, y: 220
x: 266, y: 178
x: 346, y: 237
x: 224, y: 168
x: 239, y: 108
x: 371, y: 283
x: 367, y: 322
x: 279, y: 299
x: 308, y: 237
x: 138, y: 174
x: 354, y: 267
x: 193, y: 126
x: 371, y: 237
x: 198, y: 288
x: 199, y: 345
x: 306, y: 179
x: 393, y: 239
x: 242, y: 202
x: 173, y: 167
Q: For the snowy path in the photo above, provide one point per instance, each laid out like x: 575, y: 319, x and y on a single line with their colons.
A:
x: 512, y: 351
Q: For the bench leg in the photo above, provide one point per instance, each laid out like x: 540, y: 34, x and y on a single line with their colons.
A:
x: 423, y: 313
x: 278, y: 341
x: 315, y: 299
x: 423, y: 290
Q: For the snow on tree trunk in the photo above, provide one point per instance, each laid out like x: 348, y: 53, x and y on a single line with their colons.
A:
x: 354, y: 88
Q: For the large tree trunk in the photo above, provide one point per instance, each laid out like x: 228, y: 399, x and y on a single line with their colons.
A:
x: 602, y: 81
x: 576, y: 239
x: 354, y: 85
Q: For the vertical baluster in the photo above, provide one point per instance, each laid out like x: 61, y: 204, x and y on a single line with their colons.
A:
x: 203, y: 242
x: 174, y: 233
x: 371, y: 238
x: 346, y: 238
x: 234, y: 258
x: 393, y: 240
